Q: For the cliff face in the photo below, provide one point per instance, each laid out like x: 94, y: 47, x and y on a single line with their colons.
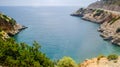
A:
x: 96, y: 15
x: 100, y: 12
x: 9, y: 25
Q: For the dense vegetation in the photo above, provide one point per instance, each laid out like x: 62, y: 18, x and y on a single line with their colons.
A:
x: 99, y: 57
x: 66, y: 62
x: 98, y: 12
x: 112, y: 57
x: 7, y: 19
x: 13, y: 54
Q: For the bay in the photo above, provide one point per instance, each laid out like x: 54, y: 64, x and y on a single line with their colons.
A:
x: 58, y: 33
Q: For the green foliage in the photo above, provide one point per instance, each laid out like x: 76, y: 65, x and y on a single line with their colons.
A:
x: 113, y: 20
x: 13, y: 54
x: 2, y: 34
x: 99, y: 57
x: 112, y: 57
x: 98, y: 12
x: 8, y: 19
x: 66, y: 62
x: 12, y: 21
x: 0, y: 30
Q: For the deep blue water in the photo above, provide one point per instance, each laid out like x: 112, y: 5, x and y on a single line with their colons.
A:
x: 59, y: 33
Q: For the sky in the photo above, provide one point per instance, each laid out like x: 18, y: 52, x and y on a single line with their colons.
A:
x: 45, y: 2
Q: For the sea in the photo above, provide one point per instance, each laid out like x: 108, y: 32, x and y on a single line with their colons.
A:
x: 58, y: 33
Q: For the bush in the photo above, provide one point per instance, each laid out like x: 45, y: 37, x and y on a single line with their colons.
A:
x: 98, y: 12
x: 66, y: 62
x: 8, y: 19
x: 12, y: 21
x: 13, y: 54
x: 99, y: 57
x: 114, y: 20
x: 112, y: 57
x: 0, y: 30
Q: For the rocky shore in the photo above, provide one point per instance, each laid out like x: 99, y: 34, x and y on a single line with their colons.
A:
x: 109, y: 21
x: 9, y: 25
x: 101, y: 62
x: 17, y: 29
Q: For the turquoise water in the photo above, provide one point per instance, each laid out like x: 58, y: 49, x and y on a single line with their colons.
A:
x: 59, y: 33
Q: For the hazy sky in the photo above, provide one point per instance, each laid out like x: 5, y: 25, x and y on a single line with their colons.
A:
x: 45, y: 2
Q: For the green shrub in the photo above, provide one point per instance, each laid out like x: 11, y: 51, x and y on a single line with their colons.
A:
x: 13, y: 54
x: 3, y: 34
x: 98, y: 12
x: 12, y: 21
x: 66, y: 62
x: 0, y: 30
x: 99, y: 57
x: 112, y: 57
x: 8, y: 19
x: 113, y: 20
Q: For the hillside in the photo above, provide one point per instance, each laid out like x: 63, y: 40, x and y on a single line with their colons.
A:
x: 109, y: 19
x: 9, y: 25
x: 13, y: 54
x: 106, y: 4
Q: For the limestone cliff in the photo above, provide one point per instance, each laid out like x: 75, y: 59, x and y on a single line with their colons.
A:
x: 9, y: 25
x: 109, y: 20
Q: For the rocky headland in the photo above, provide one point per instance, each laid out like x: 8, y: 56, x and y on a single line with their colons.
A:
x: 8, y: 26
x: 102, y: 12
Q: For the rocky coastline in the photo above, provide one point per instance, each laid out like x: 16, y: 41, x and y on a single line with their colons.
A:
x: 109, y: 21
x: 17, y: 29
x: 9, y: 26
x: 102, y: 61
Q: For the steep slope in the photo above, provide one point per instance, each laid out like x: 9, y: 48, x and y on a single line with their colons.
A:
x: 113, y: 5
x: 9, y: 25
x: 102, y: 13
